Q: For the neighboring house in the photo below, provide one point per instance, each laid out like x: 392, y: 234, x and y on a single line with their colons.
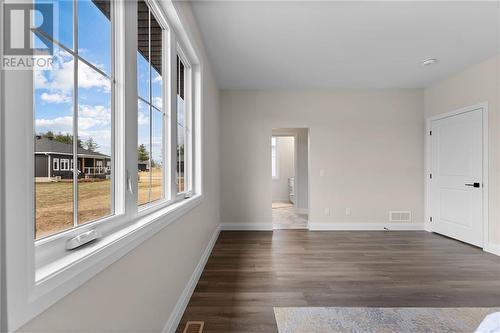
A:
x: 54, y: 159
x: 143, y: 166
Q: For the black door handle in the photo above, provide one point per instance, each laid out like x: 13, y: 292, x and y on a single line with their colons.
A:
x: 474, y: 185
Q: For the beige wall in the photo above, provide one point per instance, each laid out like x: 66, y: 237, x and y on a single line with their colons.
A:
x: 285, y: 148
x: 138, y: 292
x: 476, y: 84
x: 368, y: 142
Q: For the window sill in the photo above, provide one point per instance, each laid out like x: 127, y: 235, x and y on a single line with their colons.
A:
x: 60, y: 277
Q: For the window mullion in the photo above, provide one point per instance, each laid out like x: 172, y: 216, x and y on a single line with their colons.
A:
x: 150, y: 102
x: 75, y: 111
x: 173, y: 116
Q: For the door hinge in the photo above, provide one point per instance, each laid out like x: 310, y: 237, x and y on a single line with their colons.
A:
x: 430, y: 218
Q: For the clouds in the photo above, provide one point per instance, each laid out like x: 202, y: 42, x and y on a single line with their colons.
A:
x: 56, y: 98
x: 60, y: 80
x: 54, y: 91
x: 88, y: 117
x: 157, y: 101
x: 56, y: 125
x: 94, y: 121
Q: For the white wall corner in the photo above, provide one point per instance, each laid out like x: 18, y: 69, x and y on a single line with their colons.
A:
x: 365, y: 226
x: 176, y: 315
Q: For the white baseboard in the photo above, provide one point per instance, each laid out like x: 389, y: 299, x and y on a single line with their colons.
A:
x: 247, y: 226
x: 176, y: 315
x: 492, y: 248
x: 365, y: 226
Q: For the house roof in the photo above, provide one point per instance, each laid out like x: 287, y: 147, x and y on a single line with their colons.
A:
x: 46, y: 145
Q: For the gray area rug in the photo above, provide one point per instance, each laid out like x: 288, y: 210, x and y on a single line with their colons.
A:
x: 400, y: 320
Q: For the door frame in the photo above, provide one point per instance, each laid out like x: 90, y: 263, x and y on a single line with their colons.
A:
x: 485, y: 187
x: 288, y: 134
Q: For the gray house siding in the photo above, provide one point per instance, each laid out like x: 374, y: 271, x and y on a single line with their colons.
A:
x: 41, y: 166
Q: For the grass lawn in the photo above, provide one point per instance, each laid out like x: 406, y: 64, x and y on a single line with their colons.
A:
x: 54, y: 204
x: 54, y: 201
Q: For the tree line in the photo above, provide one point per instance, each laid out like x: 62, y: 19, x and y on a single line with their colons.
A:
x: 89, y: 144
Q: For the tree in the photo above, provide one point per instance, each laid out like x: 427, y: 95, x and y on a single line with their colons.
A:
x: 142, y: 153
x: 60, y: 137
x: 91, y: 145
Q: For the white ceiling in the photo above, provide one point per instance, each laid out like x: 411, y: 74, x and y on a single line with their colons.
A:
x: 305, y: 44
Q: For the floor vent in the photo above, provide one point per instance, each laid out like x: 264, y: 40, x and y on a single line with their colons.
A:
x: 194, y: 327
x: 400, y: 216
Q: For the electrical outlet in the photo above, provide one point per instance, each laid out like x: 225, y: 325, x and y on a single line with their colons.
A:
x: 348, y: 211
x: 327, y: 211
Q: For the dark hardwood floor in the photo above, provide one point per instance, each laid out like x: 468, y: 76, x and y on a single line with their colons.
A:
x: 249, y: 273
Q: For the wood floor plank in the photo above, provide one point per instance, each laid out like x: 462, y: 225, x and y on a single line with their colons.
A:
x: 249, y: 273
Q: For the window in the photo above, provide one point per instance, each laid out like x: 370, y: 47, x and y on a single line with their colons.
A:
x: 183, y: 127
x: 64, y: 164
x: 84, y: 129
x: 99, y: 166
x: 150, y: 113
x: 73, y: 100
x: 274, y: 158
x: 55, y: 164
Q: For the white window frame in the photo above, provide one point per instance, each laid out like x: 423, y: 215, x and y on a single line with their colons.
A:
x: 55, y: 164
x: 64, y: 166
x: 49, y: 272
x: 275, y: 174
x: 188, y: 132
x: 166, y: 76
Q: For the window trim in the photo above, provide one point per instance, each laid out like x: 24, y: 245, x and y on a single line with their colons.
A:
x: 189, y: 124
x: 166, y: 76
x: 42, y: 281
x: 64, y: 166
x: 55, y: 161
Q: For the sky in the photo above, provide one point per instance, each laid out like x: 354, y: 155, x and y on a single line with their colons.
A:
x: 54, y: 89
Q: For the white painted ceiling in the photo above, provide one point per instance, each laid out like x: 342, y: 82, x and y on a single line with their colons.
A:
x: 305, y: 44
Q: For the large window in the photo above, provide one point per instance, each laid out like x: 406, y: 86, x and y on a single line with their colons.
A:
x: 73, y: 117
x: 116, y: 150
x: 150, y: 114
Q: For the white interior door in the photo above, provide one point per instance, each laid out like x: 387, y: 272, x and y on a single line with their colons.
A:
x: 456, y: 186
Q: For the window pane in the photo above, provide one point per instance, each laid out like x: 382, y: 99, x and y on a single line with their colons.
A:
x: 53, y: 113
x: 143, y: 74
x: 94, y: 33
x: 156, y: 155
x: 180, y: 146
x: 62, y: 29
x: 181, y: 127
x: 94, y: 145
x: 142, y: 77
x: 150, y: 119
x: 143, y: 152
x: 156, y: 62
x: 157, y: 86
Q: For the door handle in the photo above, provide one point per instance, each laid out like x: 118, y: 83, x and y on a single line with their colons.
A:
x: 474, y: 185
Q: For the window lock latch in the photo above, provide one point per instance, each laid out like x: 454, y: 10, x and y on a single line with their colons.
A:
x: 82, y: 239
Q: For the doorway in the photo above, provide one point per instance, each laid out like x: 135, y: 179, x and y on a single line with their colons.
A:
x: 457, y: 181
x: 289, y: 177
